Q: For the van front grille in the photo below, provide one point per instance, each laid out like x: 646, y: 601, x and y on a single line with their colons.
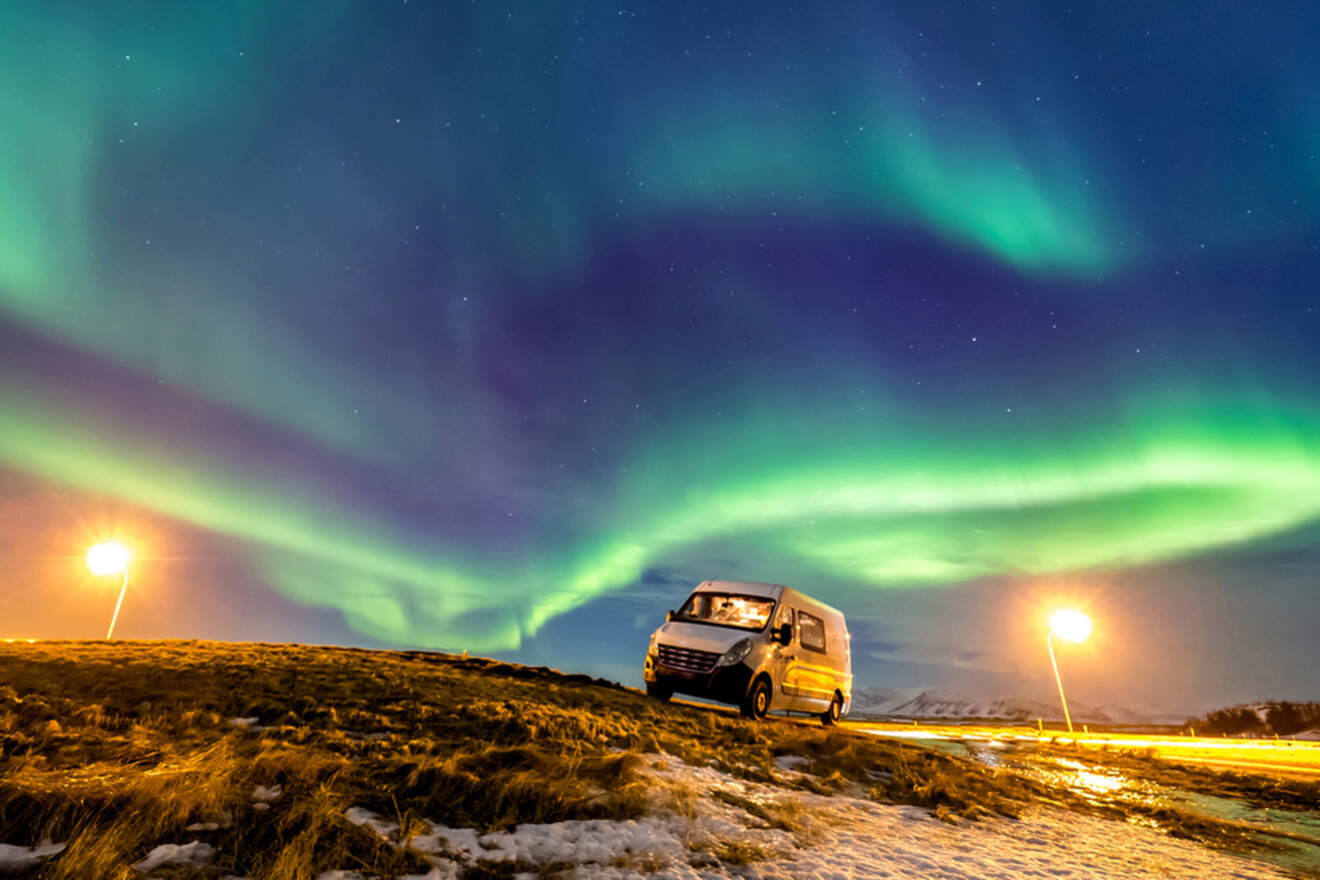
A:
x: 687, y: 659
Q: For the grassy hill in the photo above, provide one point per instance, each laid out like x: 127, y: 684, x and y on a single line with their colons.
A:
x: 117, y: 747
x: 261, y: 752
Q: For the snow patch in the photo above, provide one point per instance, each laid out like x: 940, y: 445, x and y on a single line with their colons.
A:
x: 195, y: 853
x: 263, y: 795
x: 19, y: 858
x: 226, y: 821
x: 363, y: 816
x: 591, y: 840
x: 791, y: 763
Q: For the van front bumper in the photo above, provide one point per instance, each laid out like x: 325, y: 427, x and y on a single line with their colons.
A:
x: 724, y: 684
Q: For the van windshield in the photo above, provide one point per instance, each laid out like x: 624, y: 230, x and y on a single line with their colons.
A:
x: 728, y: 609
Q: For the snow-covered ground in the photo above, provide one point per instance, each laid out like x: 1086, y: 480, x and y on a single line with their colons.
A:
x: 695, y: 834
x: 701, y: 837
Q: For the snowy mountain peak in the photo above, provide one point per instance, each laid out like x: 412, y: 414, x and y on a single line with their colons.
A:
x: 939, y: 703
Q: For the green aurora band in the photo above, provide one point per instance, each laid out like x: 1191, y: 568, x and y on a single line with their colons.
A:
x: 92, y: 102
x: 1020, y: 199
x: 1026, y: 202
x: 901, y: 514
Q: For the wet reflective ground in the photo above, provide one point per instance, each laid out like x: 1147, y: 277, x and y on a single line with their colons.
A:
x: 1271, y: 820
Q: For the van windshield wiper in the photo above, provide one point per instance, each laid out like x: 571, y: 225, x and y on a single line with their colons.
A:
x: 726, y: 625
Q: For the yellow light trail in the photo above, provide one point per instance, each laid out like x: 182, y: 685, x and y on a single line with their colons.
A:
x: 1281, y: 756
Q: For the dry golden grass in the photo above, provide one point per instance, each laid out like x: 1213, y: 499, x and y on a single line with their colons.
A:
x: 117, y: 747
x: 737, y: 851
x: 786, y: 814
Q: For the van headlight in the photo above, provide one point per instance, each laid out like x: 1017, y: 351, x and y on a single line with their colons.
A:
x: 735, y: 654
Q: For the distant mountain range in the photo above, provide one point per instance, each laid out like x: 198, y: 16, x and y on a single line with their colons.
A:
x: 881, y: 701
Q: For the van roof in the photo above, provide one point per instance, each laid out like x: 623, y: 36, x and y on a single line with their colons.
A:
x: 747, y: 588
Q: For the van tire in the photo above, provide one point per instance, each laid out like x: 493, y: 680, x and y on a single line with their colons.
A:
x: 830, y: 716
x: 757, y: 703
x: 659, y: 692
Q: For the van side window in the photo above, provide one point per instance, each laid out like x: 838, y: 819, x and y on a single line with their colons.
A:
x: 811, y: 632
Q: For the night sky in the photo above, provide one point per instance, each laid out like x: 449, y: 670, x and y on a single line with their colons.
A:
x: 497, y: 327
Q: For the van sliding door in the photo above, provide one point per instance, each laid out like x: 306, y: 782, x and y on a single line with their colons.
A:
x: 815, y: 672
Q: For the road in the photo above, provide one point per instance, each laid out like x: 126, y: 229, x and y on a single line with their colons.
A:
x: 1276, y: 757
x: 1281, y: 757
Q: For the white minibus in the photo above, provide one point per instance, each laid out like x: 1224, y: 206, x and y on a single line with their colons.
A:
x: 761, y: 647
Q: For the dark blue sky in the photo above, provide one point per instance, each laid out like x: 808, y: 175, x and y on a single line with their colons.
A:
x: 499, y: 326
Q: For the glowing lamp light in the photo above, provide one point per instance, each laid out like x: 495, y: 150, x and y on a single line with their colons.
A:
x: 1071, y: 625
x: 110, y: 557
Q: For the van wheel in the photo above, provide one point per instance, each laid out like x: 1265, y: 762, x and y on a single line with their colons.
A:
x: 757, y: 703
x: 830, y: 716
x: 660, y: 692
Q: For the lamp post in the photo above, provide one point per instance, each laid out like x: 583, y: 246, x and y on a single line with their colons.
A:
x: 1075, y: 627
x: 110, y: 557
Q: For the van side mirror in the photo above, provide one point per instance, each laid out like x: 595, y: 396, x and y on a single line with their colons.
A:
x: 785, y: 634
x: 669, y: 615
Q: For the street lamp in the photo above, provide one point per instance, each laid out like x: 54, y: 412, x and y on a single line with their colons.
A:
x: 1075, y: 627
x: 110, y: 557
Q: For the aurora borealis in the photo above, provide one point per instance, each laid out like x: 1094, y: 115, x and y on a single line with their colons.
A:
x: 486, y: 327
